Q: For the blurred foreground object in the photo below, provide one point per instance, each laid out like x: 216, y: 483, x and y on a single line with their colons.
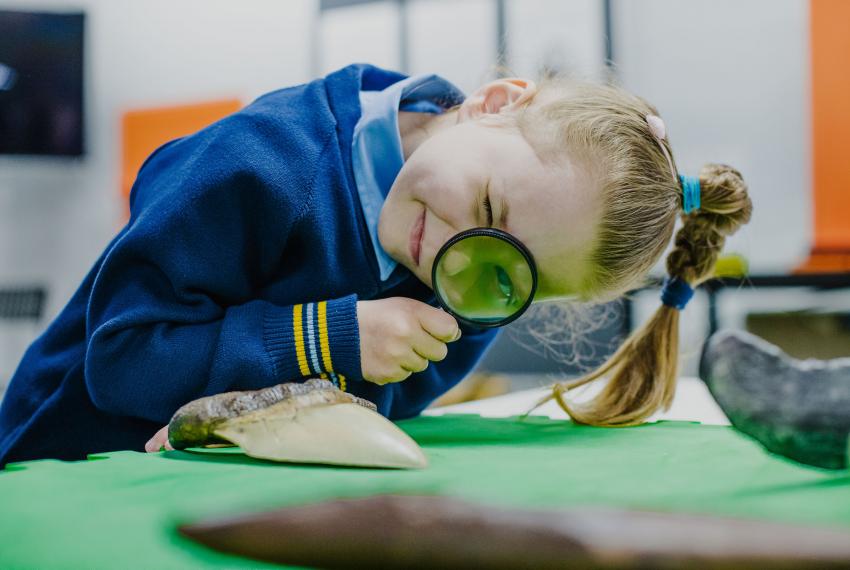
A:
x: 310, y: 422
x: 441, y: 532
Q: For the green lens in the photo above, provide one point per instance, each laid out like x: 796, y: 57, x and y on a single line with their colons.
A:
x: 505, y: 284
x: 483, y: 278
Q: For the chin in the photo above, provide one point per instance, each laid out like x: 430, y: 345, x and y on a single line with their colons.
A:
x: 383, y: 238
x: 426, y: 280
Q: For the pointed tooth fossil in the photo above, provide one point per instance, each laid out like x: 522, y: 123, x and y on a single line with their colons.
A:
x: 310, y: 422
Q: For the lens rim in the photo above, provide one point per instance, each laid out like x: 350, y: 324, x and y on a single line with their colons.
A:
x: 492, y: 232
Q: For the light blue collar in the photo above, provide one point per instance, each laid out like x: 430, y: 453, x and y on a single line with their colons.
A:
x: 376, y: 152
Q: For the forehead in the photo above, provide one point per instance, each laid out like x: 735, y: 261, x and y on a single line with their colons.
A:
x: 554, y: 209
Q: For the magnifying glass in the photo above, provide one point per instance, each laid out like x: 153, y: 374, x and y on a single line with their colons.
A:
x: 484, y: 277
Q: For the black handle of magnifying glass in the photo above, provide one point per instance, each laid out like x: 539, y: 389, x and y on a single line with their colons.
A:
x: 498, y: 234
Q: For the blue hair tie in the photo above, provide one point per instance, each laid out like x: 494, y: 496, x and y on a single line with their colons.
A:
x: 676, y: 292
x: 691, y: 192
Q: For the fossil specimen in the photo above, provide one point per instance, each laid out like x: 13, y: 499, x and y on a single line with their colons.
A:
x: 310, y: 422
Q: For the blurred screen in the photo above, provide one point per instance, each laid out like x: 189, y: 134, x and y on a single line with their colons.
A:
x: 41, y: 83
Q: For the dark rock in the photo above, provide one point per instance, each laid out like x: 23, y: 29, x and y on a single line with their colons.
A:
x: 799, y: 409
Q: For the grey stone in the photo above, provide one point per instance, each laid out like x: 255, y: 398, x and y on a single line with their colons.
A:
x: 799, y: 409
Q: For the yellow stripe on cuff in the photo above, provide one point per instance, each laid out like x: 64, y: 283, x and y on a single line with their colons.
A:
x: 323, y: 336
x: 299, y: 340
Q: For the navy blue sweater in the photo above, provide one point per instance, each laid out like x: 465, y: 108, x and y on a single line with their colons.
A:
x: 240, y: 266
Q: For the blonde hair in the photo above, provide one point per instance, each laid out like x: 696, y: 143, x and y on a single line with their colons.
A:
x: 605, y: 127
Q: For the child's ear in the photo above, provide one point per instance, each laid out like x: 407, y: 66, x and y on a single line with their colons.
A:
x: 499, y: 96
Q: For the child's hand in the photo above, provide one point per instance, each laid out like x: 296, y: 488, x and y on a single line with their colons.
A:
x: 159, y: 439
x: 399, y: 336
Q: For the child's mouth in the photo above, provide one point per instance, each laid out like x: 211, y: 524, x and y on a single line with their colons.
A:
x: 415, y: 242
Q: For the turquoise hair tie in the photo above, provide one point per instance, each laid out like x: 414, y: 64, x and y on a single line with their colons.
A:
x: 691, y: 192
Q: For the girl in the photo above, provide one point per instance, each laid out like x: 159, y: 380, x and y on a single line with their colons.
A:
x: 295, y: 238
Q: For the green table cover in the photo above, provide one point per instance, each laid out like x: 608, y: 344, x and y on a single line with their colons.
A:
x: 121, y: 510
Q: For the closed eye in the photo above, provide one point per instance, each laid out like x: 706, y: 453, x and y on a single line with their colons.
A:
x: 489, y: 210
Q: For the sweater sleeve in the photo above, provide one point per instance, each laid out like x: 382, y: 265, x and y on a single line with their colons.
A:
x: 175, y: 313
x: 320, y: 338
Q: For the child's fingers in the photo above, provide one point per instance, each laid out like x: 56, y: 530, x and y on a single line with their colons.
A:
x: 415, y: 363
x: 438, y: 323
x: 429, y: 347
x: 158, y: 441
x: 400, y: 374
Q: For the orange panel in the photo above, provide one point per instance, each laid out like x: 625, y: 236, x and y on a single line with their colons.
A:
x: 144, y: 130
x: 830, y: 52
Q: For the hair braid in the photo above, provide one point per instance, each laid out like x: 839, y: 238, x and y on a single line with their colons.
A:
x: 607, y: 128
x: 644, y: 369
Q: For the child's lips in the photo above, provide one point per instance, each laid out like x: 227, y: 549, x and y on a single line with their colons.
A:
x: 415, y: 241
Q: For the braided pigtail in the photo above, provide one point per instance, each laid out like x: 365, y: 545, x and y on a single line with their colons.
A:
x: 643, y: 371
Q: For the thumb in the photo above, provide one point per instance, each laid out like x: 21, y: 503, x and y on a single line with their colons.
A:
x: 158, y: 441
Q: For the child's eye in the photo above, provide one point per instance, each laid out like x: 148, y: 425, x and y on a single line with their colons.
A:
x: 489, y: 211
x: 505, y: 285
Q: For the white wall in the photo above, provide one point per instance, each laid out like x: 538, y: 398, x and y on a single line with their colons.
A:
x: 458, y: 39
x: 57, y: 215
x: 367, y: 33
x: 454, y: 39
x: 558, y: 35
x: 731, y: 79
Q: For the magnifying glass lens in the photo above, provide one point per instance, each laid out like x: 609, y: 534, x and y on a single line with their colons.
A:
x: 484, y: 277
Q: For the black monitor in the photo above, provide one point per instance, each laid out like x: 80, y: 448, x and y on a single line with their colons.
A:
x: 41, y: 83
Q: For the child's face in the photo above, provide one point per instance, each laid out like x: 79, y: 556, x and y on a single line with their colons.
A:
x: 553, y: 208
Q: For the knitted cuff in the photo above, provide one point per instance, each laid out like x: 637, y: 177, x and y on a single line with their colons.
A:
x: 315, y: 339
